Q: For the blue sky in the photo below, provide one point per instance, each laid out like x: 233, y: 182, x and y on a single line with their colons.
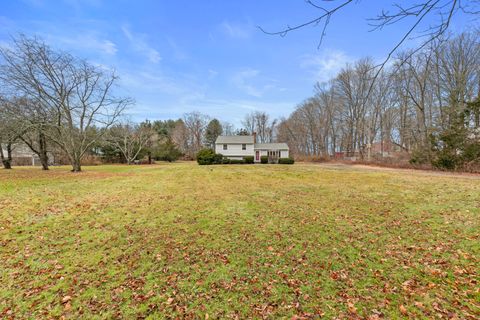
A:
x: 178, y: 56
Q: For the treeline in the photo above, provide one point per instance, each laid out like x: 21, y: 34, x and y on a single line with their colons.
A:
x: 169, y: 140
x: 425, y: 104
x: 61, y: 105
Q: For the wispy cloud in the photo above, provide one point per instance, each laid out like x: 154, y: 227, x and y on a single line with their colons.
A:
x: 151, y: 83
x: 243, y: 80
x: 325, y: 65
x: 139, y: 43
x: 252, y: 83
x: 212, y: 73
x: 178, y: 52
x: 83, y: 41
x: 237, y: 30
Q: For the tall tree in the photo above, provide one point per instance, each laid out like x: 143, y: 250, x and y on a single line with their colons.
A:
x: 213, y: 130
x: 77, y: 94
x: 195, y: 125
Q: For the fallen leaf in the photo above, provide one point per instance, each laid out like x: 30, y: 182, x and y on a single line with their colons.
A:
x: 352, y: 308
x: 66, y: 299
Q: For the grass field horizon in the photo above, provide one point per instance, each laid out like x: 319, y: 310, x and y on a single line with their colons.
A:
x: 238, y: 241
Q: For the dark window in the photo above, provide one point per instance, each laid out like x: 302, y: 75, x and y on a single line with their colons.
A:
x: 224, y: 147
x: 244, y: 146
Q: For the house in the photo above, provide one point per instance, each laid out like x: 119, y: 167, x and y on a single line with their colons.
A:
x: 23, y: 156
x: 238, y: 147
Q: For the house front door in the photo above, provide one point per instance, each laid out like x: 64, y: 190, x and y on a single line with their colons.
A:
x: 257, y: 155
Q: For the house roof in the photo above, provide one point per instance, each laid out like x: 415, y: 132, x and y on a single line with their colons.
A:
x: 271, y: 146
x: 234, y: 139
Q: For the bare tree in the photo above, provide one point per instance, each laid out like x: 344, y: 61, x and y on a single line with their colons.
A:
x: 442, y: 12
x: 8, y: 136
x: 130, y: 138
x: 195, y: 124
x: 77, y: 95
x: 249, y: 123
x: 31, y: 126
x: 260, y: 123
x: 228, y: 128
x: 423, y: 96
x: 180, y: 137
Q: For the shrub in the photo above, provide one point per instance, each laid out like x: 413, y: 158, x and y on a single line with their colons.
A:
x: 264, y: 159
x: 206, y: 156
x: 445, y: 161
x: 235, y: 161
x: 218, y: 159
x: 167, y: 152
x: 226, y: 161
x: 286, y: 161
x: 248, y: 159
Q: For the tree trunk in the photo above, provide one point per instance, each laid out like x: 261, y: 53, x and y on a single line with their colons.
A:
x: 44, y: 160
x: 42, y: 154
x: 6, y: 161
x: 6, y: 164
x: 76, y: 166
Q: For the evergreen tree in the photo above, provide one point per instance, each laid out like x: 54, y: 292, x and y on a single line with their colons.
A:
x: 214, y: 129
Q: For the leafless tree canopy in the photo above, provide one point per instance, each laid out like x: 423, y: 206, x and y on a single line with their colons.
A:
x: 418, y: 99
x: 441, y: 11
x: 130, y: 138
x: 260, y: 123
x: 75, y: 96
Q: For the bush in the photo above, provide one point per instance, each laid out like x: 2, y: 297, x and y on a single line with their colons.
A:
x: 419, y: 157
x: 206, y: 157
x: 167, y: 152
x: 445, y: 161
x: 264, y: 159
x: 235, y: 161
x: 226, y: 161
x: 248, y: 159
x: 286, y: 161
x: 218, y: 159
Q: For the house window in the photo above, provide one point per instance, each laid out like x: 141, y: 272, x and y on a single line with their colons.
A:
x: 224, y: 147
x: 244, y: 146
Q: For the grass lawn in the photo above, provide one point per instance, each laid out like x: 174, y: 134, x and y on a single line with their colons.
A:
x: 238, y: 241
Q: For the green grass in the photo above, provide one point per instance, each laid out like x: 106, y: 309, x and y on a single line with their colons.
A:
x: 238, y: 241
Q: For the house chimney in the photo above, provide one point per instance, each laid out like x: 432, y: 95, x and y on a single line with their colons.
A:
x: 254, y: 137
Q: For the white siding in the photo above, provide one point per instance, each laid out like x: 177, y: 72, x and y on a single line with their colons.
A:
x: 284, y: 154
x: 235, y: 150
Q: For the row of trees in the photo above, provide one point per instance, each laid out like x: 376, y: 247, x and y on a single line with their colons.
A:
x: 426, y: 104
x: 52, y: 97
x: 54, y: 102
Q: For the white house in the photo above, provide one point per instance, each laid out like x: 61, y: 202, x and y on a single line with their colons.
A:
x: 238, y: 147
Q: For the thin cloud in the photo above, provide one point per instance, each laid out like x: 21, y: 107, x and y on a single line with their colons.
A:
x: 139, y: 44
x: 238, y: 31
x: 243, y: 80
x: 326, y: 65
x: 250, y: 82
x: 83, y: 41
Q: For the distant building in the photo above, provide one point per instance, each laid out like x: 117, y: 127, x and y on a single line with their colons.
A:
x: 23, y: 156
